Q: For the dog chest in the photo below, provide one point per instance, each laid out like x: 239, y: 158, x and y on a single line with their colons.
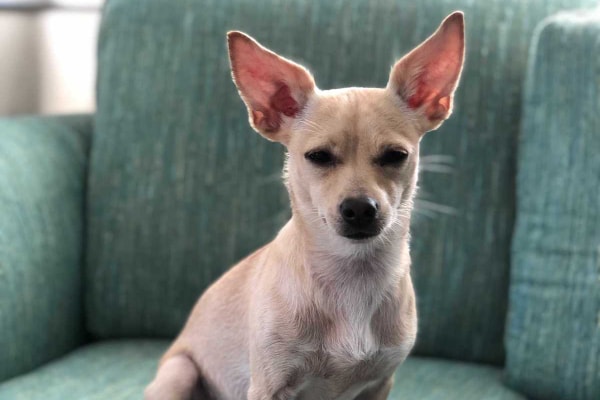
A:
x: 340, y: 375
x: 341, y: 369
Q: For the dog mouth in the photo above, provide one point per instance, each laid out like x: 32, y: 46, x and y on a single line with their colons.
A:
x: 360, y: 235
x: 355, y: 234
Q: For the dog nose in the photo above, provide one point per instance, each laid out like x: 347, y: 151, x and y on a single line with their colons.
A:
x: 359, y: 212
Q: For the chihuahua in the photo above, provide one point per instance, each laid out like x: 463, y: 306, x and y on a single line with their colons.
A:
x: 327, y: 309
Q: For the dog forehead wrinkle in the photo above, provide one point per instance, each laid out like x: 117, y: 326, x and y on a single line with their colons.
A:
x: 365, y: 111
x: 331, y: 119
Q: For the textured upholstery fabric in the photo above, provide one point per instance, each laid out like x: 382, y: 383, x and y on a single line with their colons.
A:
x: 553, y: 333
x: 119, y: 370
x: 112, y: 370
x: 180, y: 187
x: 433, y: 379
x: 42, y: 173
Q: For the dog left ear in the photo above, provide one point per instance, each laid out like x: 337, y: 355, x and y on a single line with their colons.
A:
x: 426, y: 78
x: 274, y: 89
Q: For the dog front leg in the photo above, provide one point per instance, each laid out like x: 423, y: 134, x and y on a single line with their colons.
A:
x: 380, y: 391
x: 257, y: 392
x: 273, y: 389
x: 176, y: 379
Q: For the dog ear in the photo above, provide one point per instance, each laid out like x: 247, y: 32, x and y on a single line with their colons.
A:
x: 274, y: 89
x: 426, y: 78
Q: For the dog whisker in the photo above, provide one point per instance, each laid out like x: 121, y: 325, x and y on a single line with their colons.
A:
x: 437, y: 158
x: 440, y: 168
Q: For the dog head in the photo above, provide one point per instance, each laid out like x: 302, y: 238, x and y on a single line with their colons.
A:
x: 353, y: 153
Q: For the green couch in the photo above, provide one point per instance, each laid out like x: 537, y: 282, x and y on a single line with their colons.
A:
x: 112, y: 225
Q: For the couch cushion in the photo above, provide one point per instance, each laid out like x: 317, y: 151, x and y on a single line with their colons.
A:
x: 119, y: 370
x: 180, y: 187
x: 434, y: 379
x: 112, y: 370
x: 553, y: 333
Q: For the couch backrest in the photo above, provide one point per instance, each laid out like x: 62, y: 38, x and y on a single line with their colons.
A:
x: 180, y: 187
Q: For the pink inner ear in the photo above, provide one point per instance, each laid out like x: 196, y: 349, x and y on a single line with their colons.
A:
x: 283, y: 101
x: 435, y: 84
x: 420, y: 95
x: 437, y: 105
x: 427, y: 77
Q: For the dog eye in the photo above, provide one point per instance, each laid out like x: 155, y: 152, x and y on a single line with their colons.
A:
x: 322, y: 158
x: 392, y: 158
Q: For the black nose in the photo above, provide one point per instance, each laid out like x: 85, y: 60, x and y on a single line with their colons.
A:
x: 359, y: 212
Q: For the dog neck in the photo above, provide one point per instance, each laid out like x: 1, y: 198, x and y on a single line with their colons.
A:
x: 338, y: 279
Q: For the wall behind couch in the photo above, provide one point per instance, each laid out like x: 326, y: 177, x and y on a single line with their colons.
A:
x: 48, y: 56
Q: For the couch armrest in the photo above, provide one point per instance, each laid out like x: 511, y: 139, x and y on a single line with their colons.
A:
x: 43, y: 164
x: 553, y: 326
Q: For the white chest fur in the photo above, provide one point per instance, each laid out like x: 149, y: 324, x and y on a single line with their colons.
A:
x: 352, y: 352
x: 343, y: 373
x: 345, y: 362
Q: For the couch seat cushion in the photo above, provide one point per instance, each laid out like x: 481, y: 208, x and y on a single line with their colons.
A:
x: 421, y: 378
x: 118, y: 370
x: 110, y: 370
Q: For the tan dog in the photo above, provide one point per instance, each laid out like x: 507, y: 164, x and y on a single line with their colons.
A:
x: 327, y: 309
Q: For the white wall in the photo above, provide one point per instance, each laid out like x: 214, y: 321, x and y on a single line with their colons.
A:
x: 67, y: 59
x: 48, y: 60
x: 19, y: 80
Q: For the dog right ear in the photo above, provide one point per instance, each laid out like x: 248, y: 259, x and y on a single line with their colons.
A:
x: 274, y: 89
x: 426, y: 78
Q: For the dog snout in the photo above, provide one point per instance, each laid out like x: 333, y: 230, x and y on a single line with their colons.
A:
x: 360, y: 215
x: 359, y: 212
